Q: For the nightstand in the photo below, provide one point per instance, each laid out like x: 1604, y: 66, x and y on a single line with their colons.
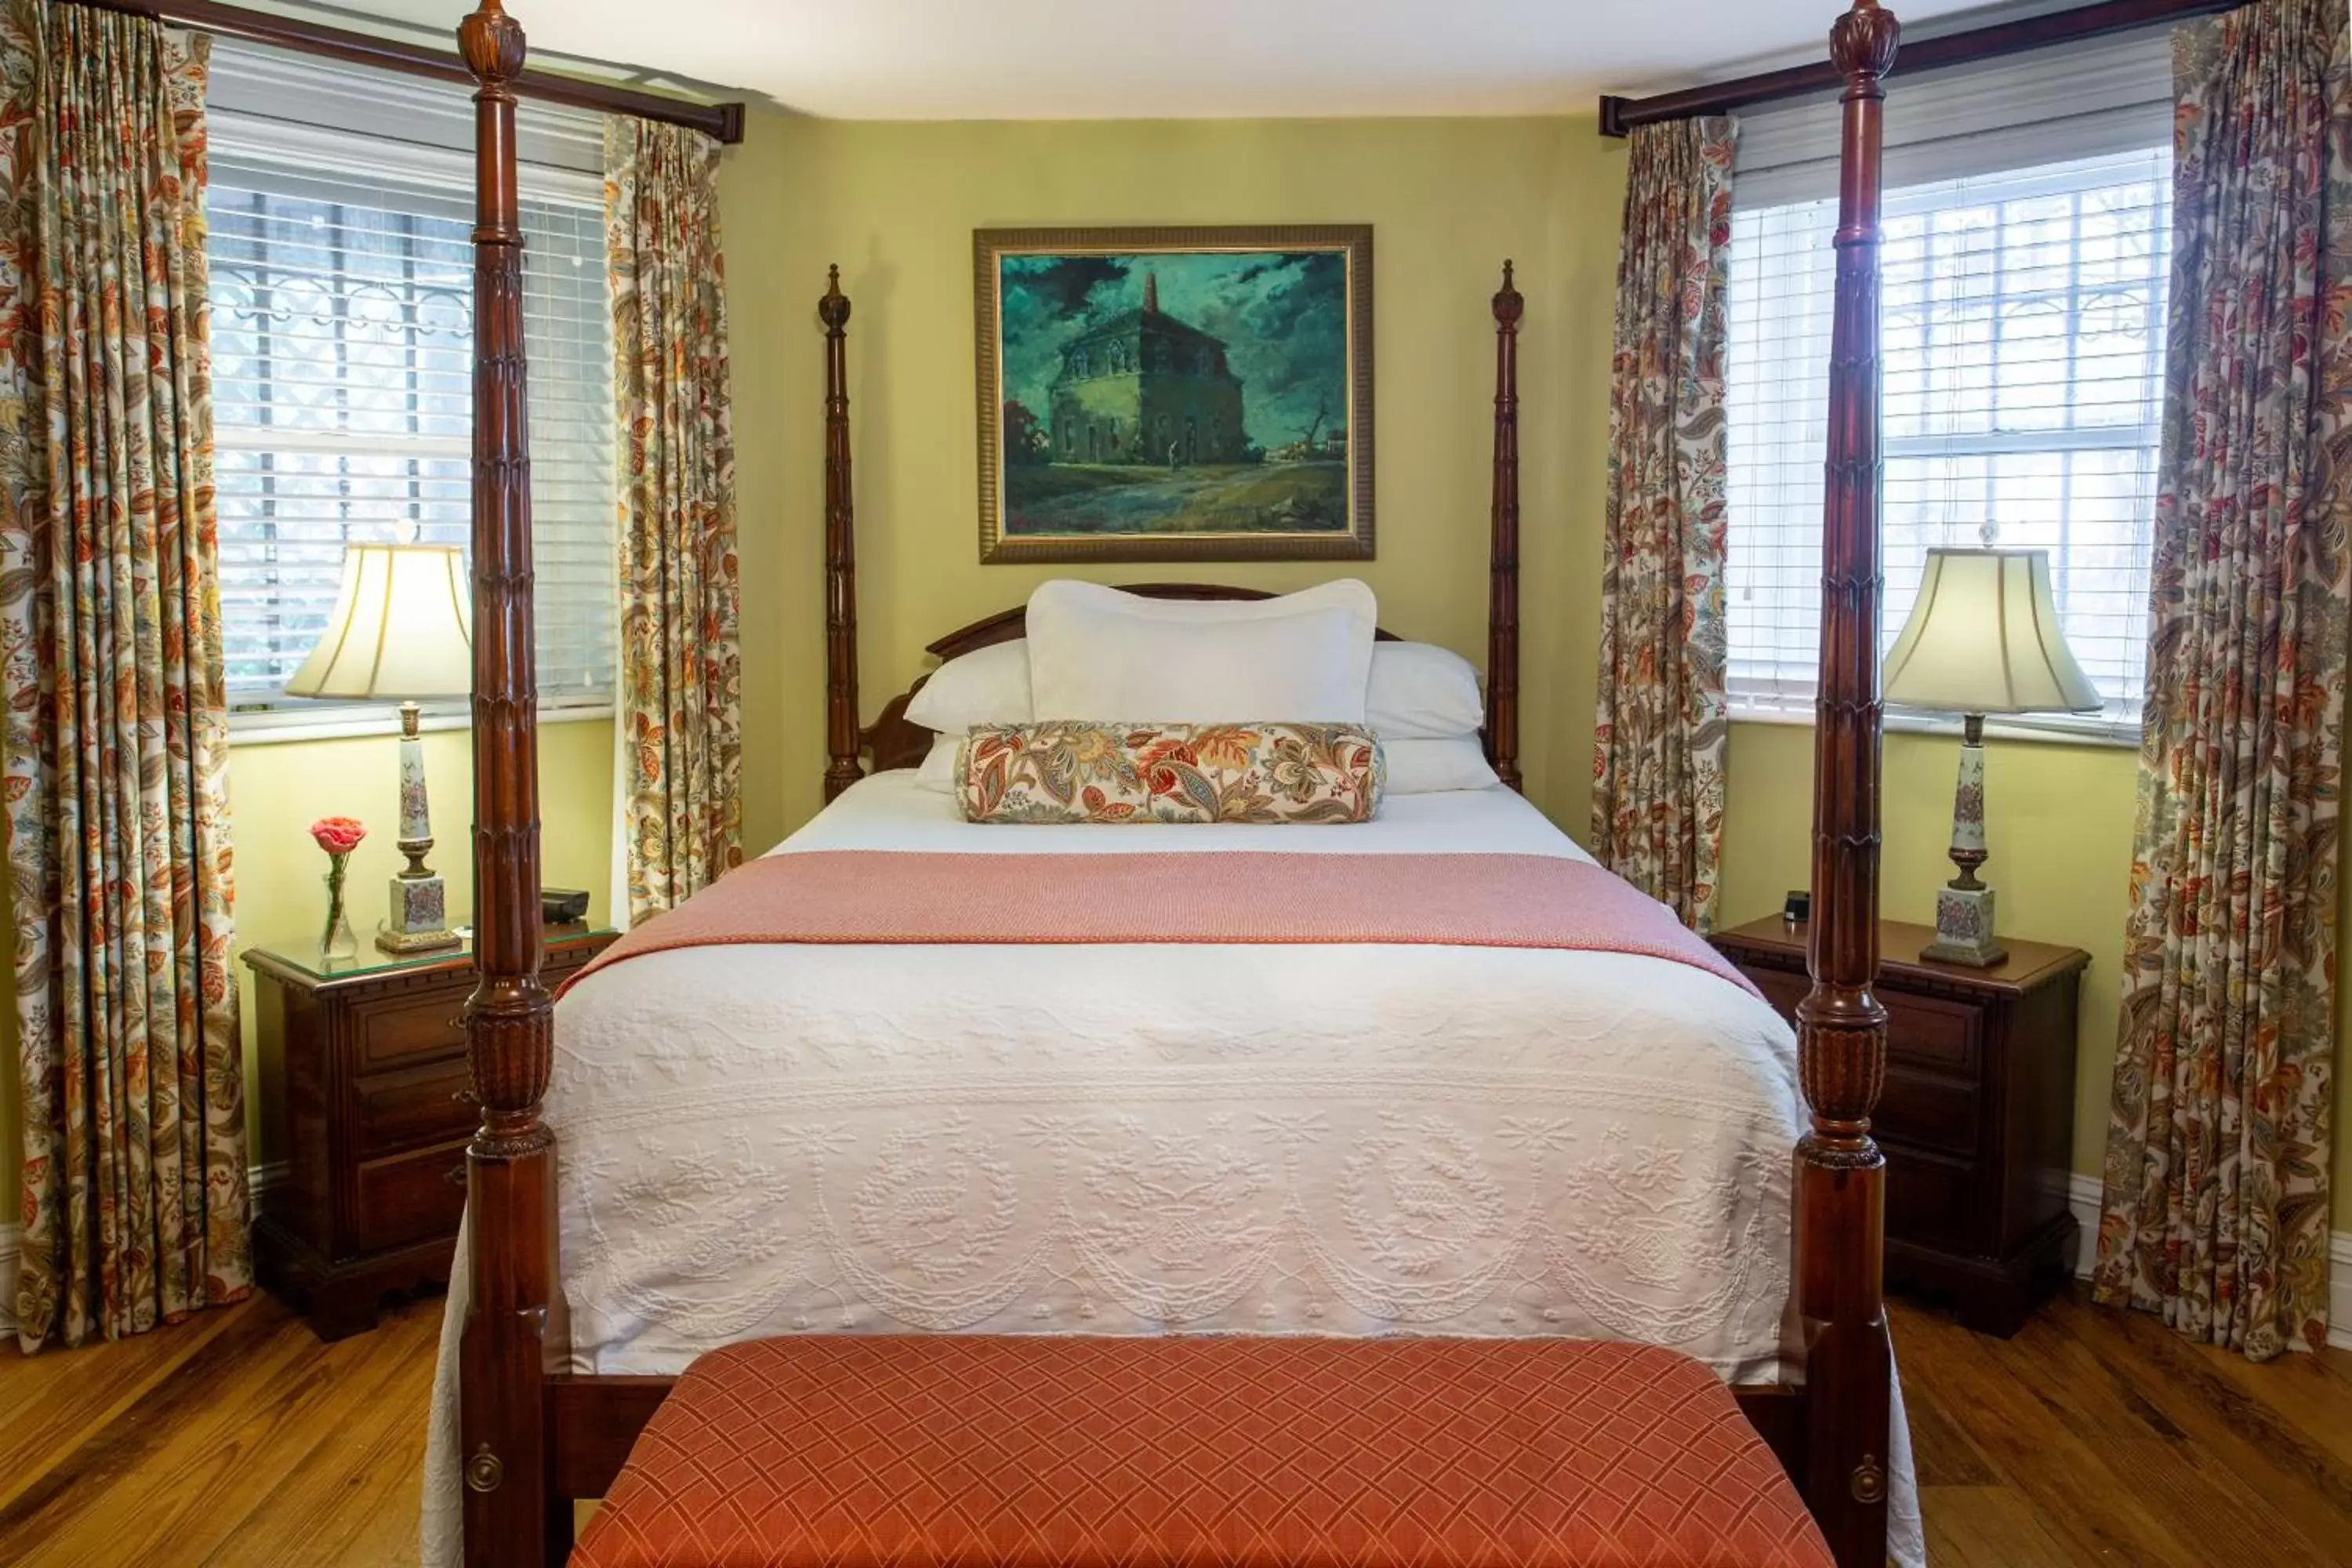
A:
x: 1977, y: 1116
x: 371, y: 1114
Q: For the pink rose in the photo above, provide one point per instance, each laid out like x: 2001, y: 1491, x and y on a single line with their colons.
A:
x: 337, y: 835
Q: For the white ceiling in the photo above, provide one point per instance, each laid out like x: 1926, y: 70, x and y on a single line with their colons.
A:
x: 1048, y: 59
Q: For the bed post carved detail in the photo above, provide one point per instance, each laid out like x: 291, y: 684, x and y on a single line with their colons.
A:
x: 1841, y: 1026
x: 842, y: 768
x: 1503, y: 550
x: 512, y: 1323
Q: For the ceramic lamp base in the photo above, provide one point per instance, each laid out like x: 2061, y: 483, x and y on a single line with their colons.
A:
x: 1964, y: 930
x: 420, y: 917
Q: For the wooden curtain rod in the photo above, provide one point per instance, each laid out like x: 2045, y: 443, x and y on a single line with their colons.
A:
x: 723, y: 121
x: 1618, y: 116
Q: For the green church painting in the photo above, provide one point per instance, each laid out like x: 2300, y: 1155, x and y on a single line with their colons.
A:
x: 1172, y: 395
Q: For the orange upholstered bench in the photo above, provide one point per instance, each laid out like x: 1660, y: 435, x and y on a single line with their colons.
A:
x: 955, y: 1451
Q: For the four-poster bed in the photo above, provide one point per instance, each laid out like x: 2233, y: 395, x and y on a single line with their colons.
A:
x: 534, y: 1435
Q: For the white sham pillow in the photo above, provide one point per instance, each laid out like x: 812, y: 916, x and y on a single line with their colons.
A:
x: 1097, y: 653
x: 939, y: 769
x: 987, y: 686
x: 1431, y: 766
x: 1420, y: 691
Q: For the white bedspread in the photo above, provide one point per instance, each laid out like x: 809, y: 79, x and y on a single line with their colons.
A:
x: 1350, y: 1140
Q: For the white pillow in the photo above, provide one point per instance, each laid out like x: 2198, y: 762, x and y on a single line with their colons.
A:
x: 939, y: 769
x: 1097, y: 653
x: 987, y: 686
x: 1420, y: 691
x: 1426, y: 767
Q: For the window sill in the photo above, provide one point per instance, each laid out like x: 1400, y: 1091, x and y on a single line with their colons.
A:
x: 2111, y: 738
x: 274, y: 727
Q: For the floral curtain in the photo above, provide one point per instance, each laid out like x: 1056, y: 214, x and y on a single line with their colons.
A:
x: 681, y: 663
x: 135, y: 1201
x: 1662, y: 728
x: 2215, y: 1212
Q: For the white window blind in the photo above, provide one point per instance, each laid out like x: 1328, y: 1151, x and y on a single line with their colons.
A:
x: 2021, y: 336
x: 342, y: 354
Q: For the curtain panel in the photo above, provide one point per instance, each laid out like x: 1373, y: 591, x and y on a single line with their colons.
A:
x: 116, y: 820
x: 680, y: 711
x: 1662, y: 725
x: 2216, y: 1207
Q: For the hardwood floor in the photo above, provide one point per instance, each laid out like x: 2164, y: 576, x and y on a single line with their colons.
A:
x: 237, y: 1440
x: 233, y: 1440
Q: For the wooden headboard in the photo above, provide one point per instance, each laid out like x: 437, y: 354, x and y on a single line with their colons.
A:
x: 893, y: 743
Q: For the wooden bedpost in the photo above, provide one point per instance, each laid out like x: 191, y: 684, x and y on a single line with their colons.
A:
x: 842, y: 767
x: 509, y: 1018
x: 1841, y: 1026
x: 1503, y: 549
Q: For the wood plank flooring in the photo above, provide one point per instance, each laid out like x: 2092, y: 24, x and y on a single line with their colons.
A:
x: 237, y: 1440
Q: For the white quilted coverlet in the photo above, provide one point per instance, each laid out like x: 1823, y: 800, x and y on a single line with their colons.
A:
x: 1350, y: 1140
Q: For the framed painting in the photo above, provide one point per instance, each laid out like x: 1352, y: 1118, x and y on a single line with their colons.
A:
x: 1175, y: 394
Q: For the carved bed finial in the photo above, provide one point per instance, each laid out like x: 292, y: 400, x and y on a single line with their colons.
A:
x: 833, y: 308
x: 492, y: 43
x: 1863, y: 43
x: 1508, y: 302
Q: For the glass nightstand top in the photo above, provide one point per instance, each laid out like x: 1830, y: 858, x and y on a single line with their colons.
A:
x: 302, y: 957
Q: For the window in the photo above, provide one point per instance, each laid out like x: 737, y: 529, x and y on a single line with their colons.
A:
x: 2021, y: 336
x: 343, y: 331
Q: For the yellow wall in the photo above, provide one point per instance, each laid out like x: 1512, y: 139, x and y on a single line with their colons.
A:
x: 897, y: 204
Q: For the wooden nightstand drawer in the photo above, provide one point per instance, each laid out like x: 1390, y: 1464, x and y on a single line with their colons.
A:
x: 1930, y: 1112
x: 1782, y: 989
x: 1936, y: 1199
x: 410, y: 1197
x: 1930, y: 1032
x: 416, y: 1106
x: 398, y: 1034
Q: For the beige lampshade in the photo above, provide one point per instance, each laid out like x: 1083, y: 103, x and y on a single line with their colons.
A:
x: 1983, y: 638
x: 401, y: 627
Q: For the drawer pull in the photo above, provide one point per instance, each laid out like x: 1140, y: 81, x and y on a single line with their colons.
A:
x: 466, y: 1095
x: 455, y: 1175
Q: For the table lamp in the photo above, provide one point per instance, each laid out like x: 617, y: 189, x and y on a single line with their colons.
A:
x: 1983, y: 638
x: 401, y: 630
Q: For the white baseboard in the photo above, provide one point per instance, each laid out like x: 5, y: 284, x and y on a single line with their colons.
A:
x: 258, y: 1179
x: 2083, y: 1197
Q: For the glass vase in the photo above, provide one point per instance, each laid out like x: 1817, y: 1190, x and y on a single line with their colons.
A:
x: 337, y: 941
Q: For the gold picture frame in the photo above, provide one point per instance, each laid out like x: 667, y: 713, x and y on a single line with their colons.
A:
x: 1175, y: 394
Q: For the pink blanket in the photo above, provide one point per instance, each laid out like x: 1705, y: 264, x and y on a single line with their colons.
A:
x: 1226, y: 897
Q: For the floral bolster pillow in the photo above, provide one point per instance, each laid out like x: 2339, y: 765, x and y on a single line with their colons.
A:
x: 1066, y: 772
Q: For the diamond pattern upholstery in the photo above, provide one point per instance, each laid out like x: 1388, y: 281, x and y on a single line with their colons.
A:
x: 973, y: 1451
